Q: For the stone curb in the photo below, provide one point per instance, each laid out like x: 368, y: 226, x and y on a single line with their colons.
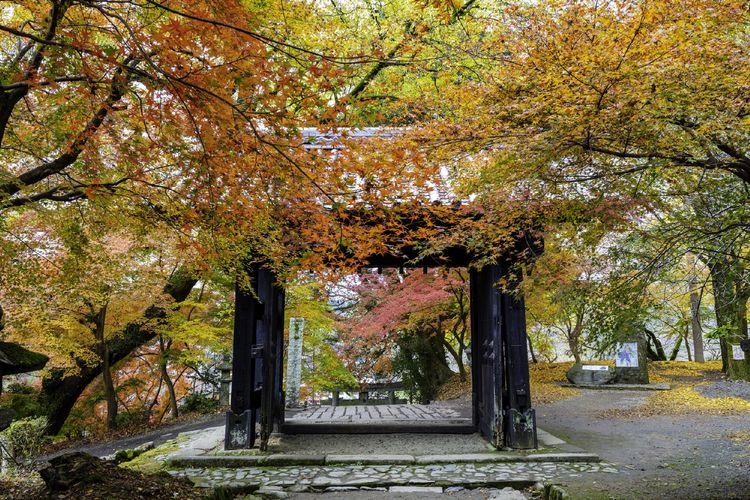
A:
x: 621, y: 387
x: 234, y: 461
x: 370, y: 459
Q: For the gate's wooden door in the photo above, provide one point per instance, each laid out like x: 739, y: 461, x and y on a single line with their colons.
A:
x: 272, y: 393
x: 257, y: 362
x: 487, y: 360
x: 500, y: 370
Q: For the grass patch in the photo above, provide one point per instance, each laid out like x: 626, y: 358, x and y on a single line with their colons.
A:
x: 154, y: 460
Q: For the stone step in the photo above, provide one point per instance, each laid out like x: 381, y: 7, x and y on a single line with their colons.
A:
x: 240, y: 461
x: 470, y: 475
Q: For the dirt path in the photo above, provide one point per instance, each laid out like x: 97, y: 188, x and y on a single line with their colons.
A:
x: 664, y: 457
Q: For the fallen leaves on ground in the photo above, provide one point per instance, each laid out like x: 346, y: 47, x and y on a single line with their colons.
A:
x: 454, y: 387
x: 683, y: 377
x: 740, y: 437
x: 545, y: 381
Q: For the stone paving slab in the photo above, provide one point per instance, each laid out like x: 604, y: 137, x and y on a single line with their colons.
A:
x: 378, y: 414
x: 415, y: 489
x: 301, y: 478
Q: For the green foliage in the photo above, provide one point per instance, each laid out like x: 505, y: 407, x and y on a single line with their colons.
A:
x: 24, y: 404
x: 420, y: 360
x: 325, y: 371
x: 24, y: 439
x: 199, y: 402
x: 132, y: 419
x: 18, y: 388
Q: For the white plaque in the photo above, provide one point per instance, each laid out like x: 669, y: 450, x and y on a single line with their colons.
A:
x: 627, y: 355
x: 595, y: 368
x: 294, y: 361
x: 737, y: 352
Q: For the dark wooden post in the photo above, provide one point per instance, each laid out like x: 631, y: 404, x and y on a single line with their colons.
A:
x: 500, y: 374
x: 520, y: 419
x: 256, y: 359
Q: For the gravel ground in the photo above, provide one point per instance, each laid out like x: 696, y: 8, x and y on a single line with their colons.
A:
x: 725, y: 388
x: 682, y: 456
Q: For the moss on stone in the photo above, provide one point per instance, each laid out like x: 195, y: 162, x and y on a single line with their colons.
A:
x: 154, y: 460
x: 17, y: 359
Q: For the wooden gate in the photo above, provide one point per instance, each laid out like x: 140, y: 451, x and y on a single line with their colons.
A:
x: 500, y: 376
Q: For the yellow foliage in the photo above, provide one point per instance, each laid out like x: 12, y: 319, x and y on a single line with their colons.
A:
x: 740, y: 437
x: 680, y: 400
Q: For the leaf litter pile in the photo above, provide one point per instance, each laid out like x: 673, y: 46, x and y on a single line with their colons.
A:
x: 698, y: 388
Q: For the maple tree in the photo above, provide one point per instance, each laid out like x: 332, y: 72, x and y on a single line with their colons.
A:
x: 407, y: 325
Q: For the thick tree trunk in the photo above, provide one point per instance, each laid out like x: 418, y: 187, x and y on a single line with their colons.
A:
x: 60, y: 392
x: 730, y: 304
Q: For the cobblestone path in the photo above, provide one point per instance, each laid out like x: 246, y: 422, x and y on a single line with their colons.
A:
x: 301, y: 478
x: 401, y: 413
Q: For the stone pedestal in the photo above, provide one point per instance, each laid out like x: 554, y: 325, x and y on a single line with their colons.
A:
x: 631, y: 362
x: 588, y: 374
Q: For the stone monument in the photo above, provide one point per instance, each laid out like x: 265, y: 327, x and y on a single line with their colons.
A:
x: 294, y: 361
x: 631, y: 362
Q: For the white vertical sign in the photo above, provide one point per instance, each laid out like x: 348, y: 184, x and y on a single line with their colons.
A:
x: 294, y: 361
x: 737, y: 352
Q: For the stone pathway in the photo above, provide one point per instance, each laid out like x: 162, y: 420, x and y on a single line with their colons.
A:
x: 333, y: 478
x: 362, y: 414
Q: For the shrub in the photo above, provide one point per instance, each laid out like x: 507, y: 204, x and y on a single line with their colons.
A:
x: 18, y: 388
x: 24, y: 440
x: 25, y: 405
x: 199, y: 402
x: 133, y: 418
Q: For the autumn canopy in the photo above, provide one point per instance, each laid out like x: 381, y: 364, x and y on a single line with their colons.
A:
x: 148, y: 147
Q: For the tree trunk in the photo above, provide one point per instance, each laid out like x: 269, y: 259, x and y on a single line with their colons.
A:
x: 676, y: 349
x: 163, y: 365
x: 695, y: 315
x: 730, y: 304
x: 109, y: 386
x: 531, y: 348
x: 655, y: 353
x: 60, y: 392
x: 574, y: 338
